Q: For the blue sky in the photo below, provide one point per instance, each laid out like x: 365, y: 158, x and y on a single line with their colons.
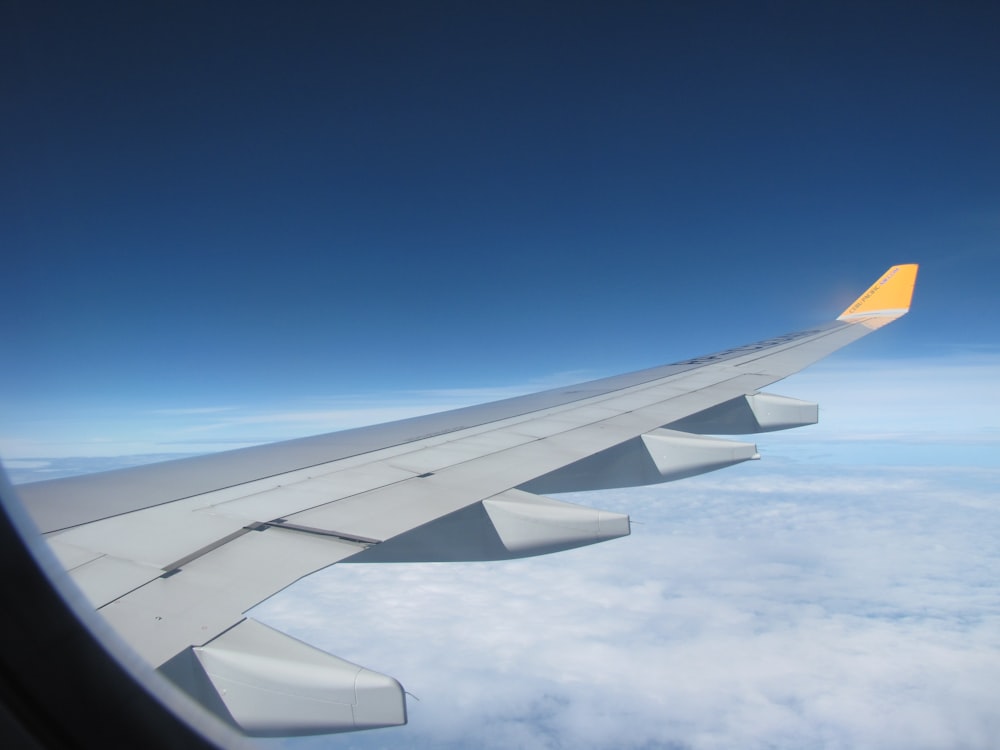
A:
x: 240, y: 204
x: 231, y: 223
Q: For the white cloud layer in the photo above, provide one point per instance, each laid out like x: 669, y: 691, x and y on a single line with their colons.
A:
x: 798, y: 609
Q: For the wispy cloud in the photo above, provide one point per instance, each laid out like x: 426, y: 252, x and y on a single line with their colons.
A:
x: 200, y: 429
x: 185, y: 411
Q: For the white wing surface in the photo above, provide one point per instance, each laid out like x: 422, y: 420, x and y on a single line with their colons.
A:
x: 174, y: 554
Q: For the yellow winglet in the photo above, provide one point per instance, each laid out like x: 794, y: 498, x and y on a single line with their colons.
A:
x: 887, y: 299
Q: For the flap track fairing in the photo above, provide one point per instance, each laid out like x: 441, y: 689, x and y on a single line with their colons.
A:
x: 271, y: 685
x: 507, y: 526
x: 658, y: 456
x: 750, y: 414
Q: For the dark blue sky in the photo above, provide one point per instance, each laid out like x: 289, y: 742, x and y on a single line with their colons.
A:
x: 215, y: 203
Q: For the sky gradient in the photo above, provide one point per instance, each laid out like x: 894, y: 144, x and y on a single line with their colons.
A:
x: 216, y: 206
x: 231, y: 223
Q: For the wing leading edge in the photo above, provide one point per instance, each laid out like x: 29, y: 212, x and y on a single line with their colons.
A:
x: 174, y: 554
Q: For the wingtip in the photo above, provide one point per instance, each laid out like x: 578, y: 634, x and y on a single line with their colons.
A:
x: 887, y: 299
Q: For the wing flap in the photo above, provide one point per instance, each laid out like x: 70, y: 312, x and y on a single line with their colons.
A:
x: 194, y: 603
x: 157, y: 537
x: 308, y: 492
x: 103, y: 579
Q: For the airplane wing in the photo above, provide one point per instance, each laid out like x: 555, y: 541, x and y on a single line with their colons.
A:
x: 174, y: 554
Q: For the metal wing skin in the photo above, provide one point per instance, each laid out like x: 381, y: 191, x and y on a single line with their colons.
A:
x: 172, y: 555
